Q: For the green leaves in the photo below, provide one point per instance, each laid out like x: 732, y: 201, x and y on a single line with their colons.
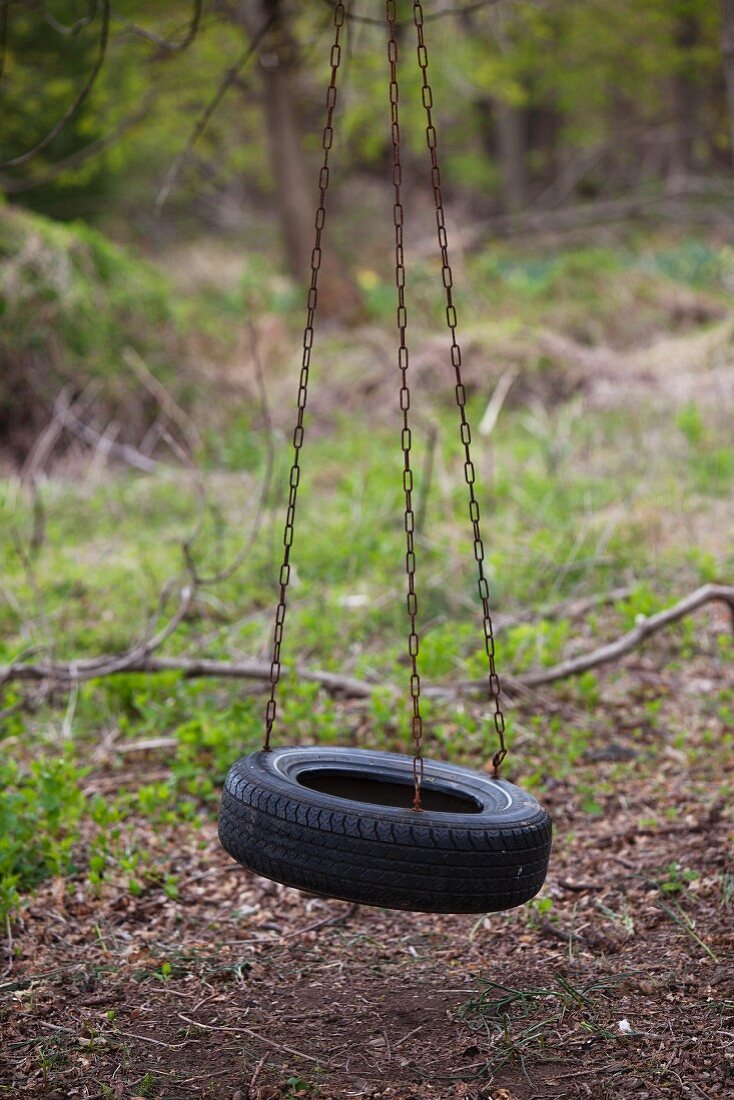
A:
x: 40, y: 811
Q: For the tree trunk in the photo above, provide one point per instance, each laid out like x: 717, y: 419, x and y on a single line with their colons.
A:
x: 295, y: 179
x: 727, y: 49
x: 294, y: 190
x: 685, y: 96
x: 512, y: 147
x: 503, y: 129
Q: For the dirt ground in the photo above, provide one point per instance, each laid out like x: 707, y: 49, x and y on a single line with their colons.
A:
x: 619, y: 983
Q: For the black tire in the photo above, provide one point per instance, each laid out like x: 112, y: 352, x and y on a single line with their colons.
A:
x: 480, y: 844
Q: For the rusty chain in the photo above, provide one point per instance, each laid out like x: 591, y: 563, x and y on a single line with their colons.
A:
x: 464, y: 428
x: 298, y: 434
x: 416, y: 724
x: 404, y: 393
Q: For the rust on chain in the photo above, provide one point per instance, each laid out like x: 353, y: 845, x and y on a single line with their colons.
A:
x: 416, y: 724
x: 298, y: 434
x: 464, y: 428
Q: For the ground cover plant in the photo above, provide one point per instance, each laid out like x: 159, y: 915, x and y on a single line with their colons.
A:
x: 137, y: 959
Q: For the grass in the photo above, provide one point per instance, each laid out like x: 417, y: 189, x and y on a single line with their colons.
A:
x: 520, y: 1022
x: 574, y: 505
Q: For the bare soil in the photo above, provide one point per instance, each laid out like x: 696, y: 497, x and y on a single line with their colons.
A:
x: 620, y: 984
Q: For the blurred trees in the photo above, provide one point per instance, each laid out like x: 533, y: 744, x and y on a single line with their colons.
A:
x: 540, y: 103
x: 727, y: 49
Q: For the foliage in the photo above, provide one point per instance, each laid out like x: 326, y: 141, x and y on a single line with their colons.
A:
x: 593, y: 84
x: 40, y: 810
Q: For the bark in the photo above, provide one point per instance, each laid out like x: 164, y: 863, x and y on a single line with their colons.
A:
x: 685, y: 96
x: 727, y: 49
x: 512, y: 148
x: 278, y: 70
x: 295, y: 177
x: 503, y: 129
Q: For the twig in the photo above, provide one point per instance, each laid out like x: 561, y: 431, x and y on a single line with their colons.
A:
x: 155, y: 1042
x: 338, y: 918
x: 68, y: 723
x: 684, y: 922
x: 256, y: 1074
x: 4, y: 5
x: 82, y: 155
x: 254, y: 1034
x: 86, y: 432
x: 35, y: 588
x: 147, y: 746
x: 283, y: 1047
x: 497, y: 400
x: 9, y: 943
x: 166, y: 44
x: 590, y: 939
x: 207, y: 1027
x: 168, y: 406
x: 44, y: 444
x: 78, y: 24
x: 426, y: 480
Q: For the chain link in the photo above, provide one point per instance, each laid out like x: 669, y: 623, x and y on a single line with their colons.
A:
x: 464, y: 428
x: 298, y: 434
x: 406, y: 438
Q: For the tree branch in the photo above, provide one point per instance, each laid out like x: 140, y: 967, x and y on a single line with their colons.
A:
x: 80, y: 156
x: 75, y: 106
x: 140, y: 659
x: 66, y: 674
x: 227, y: 81
x: 166, y: 44
x: 708, y: 593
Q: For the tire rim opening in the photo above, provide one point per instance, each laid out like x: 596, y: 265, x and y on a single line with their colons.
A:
x: 387, y: 791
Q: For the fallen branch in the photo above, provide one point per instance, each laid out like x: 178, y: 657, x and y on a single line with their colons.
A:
x: 139, y: 659
x: 93, y: 669
x: 708, y: 593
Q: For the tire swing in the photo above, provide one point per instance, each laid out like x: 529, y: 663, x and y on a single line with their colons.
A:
x: 339, y: 822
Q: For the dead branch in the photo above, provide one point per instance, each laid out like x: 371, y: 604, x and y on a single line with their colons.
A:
x: 682, y: 202
x: 575, y: 666
x: 708, y: 593
x: 164, y: 399
x: 140, y: 658
x: 228, y: 81
x: 82, y: 155
x: 90, y: 435
x: 68, y: 673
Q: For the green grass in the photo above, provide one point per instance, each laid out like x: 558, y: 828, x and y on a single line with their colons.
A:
x: 574, y: 504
